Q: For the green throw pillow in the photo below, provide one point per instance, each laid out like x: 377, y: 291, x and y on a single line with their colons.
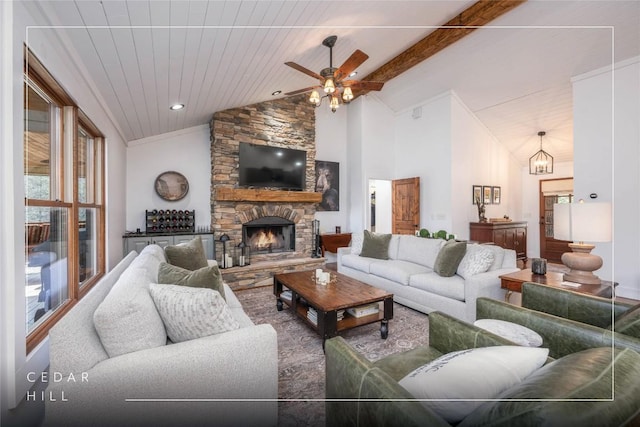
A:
x: 375, y: 245
x: 449, y: 258
x: 628, y: 323
x: 189, y: 255
x: 206, y: 277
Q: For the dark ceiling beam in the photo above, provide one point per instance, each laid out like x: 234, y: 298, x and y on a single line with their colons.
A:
x: 476, y: 15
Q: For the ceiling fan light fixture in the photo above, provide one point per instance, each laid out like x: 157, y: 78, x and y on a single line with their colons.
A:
x: 541, y: 163
x: 332, y: 80
x: 334, y: 104
x: 314, y: 98
x: 329, y: 86
x: 347, y: 94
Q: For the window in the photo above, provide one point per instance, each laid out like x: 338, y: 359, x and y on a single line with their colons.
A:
x: 64, y: 201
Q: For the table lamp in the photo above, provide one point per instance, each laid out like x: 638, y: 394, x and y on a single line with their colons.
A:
x: 582, y: 222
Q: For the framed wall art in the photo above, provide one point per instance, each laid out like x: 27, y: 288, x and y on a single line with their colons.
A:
x: 495, y: 195
x: 171, y: 186
x: 486, y: 194
x: 477, y: 194
x: 328, y: 183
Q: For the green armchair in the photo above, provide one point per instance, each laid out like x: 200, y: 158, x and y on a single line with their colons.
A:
x: 589, y: 309
x: 568, y: 322
x: 364, y: 393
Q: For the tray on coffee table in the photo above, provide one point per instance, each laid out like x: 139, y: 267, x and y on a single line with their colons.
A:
x: 338, y: 296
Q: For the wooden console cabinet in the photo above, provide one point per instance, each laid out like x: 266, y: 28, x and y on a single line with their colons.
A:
x: 137, y: 242
x: 509, y: 235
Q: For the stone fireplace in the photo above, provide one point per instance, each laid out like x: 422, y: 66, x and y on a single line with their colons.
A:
x: 287, y: 122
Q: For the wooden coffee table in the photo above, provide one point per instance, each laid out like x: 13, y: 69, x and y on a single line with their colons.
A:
x: 341, y: 294
x: 512, y: 282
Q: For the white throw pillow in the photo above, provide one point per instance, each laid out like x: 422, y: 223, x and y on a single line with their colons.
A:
x: 356, y: 243
x: 476, y: 260
x: 515, y: 333
x: 498, y: 257
x: 453, y: 381
x: 189, y: 313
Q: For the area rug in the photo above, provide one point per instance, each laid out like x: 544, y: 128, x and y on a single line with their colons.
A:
x: 301, y: 361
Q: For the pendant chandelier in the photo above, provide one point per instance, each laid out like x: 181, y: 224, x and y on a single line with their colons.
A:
x: 541, y: 163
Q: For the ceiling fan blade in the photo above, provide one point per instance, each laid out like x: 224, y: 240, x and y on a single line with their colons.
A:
x: 363, y: 85
x: 353, y: 62
x: 305, y: 70
x: 306, y: 89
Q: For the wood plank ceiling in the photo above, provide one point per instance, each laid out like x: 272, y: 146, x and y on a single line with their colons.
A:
x: 139, y: 57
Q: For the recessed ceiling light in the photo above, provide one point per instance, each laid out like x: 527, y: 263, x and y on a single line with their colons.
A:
x: 176, y: 107
x: 276, y: 92
x: 353, y: 74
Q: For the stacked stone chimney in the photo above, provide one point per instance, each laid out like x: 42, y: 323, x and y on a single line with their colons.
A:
x: 286, y: 122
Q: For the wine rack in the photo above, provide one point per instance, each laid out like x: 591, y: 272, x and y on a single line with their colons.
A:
x: 170, y: 221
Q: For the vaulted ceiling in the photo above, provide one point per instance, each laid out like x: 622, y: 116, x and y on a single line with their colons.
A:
x: 514, y: 74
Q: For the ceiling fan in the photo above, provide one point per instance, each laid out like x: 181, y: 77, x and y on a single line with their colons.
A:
x: 332, y: 80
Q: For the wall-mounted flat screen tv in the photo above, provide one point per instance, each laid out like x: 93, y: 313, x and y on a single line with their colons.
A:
x: 263, y: 166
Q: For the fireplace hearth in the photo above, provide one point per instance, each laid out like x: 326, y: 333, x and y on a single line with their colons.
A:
x: 269, y: 235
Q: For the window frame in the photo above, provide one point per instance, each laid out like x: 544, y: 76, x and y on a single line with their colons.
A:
x: 71, y: 119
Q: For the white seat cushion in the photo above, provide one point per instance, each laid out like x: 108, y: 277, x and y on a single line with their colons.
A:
x: 396, y: 270
x: 357, y: 262
x: 450, y: 287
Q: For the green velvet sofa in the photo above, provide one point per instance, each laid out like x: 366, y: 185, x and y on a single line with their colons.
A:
x: 567, y: 321
x: 364, y: 393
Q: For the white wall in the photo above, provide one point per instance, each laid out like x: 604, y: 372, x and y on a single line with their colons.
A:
x: 63, y: 65
x: 331, y: 146
x: 370, y: 154
x: 606, y: 107
x: 478, y: 158
x: 443, y: 143
x: 186, y: 151
x: 423, y: 149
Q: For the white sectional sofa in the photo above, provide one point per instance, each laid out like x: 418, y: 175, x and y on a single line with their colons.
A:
x: 195, y: 382
x: 409, y: 275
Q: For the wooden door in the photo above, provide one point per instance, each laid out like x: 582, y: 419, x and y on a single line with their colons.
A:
x: 550, y: 248
x: 405, y: 205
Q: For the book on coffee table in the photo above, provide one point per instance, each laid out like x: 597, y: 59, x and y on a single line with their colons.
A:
x: 364, y: 310
x: 286, y: 295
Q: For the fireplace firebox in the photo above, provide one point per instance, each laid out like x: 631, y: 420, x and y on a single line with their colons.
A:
x: 269, y: 234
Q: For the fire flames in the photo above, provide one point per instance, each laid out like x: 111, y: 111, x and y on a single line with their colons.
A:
x: 266, y: 240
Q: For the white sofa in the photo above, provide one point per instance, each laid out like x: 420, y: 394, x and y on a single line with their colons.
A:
x: 196, y: 382
x: 409, y: 275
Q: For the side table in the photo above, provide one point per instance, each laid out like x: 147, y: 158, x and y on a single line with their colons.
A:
x: 512, y: 282
x: 331, y: 242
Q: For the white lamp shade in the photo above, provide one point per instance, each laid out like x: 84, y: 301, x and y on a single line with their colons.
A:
x: 562, y: 221
x: 582, y: 222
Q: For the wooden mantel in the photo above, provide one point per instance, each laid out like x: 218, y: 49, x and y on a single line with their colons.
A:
x: 251, y: 195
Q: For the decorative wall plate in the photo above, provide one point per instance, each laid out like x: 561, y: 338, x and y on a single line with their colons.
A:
x: 171, y: 186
